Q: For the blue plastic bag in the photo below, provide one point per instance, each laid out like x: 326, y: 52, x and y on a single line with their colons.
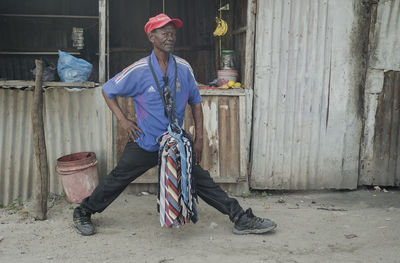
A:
x: 72, y: 69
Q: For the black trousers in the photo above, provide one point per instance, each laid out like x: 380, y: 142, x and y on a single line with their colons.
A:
x: 134, y: 162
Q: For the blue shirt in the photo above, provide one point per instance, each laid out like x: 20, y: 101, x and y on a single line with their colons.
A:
x: 137, y: 82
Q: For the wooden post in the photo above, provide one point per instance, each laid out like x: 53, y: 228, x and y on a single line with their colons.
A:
x: 103, y: 61
x: 102, y: 41
x: 249, y: 75
x: 42, y: 179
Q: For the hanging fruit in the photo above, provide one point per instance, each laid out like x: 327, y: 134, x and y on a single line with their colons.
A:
x: 222, y: 27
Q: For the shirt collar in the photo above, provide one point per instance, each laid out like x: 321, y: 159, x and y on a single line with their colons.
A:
x: 157, y: 68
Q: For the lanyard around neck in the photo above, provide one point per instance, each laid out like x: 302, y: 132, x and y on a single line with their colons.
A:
x: 171, y: 118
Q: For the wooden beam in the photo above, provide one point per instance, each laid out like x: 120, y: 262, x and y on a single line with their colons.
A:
x: 176, y: 49
x: 222, y: 92
x: 30, y: 83
x: 149, y: 179
x: 39, y: 144
x: 103, y: 38
x: 50, y: 16
x: 243, y: 154
x: 240, y: 30
x: 250, y: 46
x: 249, y: 79
x: 102, y: 41
x: 34, y: 53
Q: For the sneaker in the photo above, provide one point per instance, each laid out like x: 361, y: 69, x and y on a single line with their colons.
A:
x: 248, y: 223
x: 82, y: 222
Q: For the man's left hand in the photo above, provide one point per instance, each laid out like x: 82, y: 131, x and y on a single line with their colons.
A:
x: 198, y: 150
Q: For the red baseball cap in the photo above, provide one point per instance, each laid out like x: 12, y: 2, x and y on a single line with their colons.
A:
x: 159, y: 21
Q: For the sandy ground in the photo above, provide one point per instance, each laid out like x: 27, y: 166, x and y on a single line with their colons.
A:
x: 339, y: 226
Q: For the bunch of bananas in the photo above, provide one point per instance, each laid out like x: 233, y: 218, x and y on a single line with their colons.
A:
x: 222, y: 27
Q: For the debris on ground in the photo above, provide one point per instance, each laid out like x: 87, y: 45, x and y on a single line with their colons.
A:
x: 213, y: 225
x: 331, y: 209
x: 377, y: 188
x: 165, y: 260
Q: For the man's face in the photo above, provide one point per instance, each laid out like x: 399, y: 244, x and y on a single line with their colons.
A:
x: 164, y: 38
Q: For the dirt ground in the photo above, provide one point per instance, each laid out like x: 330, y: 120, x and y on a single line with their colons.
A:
x: 327, y: 226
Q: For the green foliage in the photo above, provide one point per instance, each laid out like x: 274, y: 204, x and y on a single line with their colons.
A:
x: 17, y: 204
x: 264, y: 194
x: 248, y: 194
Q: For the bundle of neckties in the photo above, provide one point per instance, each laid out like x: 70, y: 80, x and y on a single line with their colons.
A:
x: 176, y: 194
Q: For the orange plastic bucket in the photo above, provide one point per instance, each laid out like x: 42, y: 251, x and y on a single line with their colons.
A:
x: 78, y: 175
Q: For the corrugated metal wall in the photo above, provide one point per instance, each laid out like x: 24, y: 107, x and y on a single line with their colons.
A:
x: 380, y: 148
x: 223, y: 137
x: 306, y: 118
x: 74, y: 122
x: 385, y: 44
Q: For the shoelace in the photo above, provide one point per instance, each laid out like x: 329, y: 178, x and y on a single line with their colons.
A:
x: 85, y: 219
x: 254, y: 218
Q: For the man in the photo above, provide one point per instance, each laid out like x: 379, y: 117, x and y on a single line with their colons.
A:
x: 140, y: 154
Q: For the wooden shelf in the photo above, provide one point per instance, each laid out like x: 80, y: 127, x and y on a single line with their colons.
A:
x: 222, y: 92
x: 50, y: 16
x: 35, y: 53
x: 31, y: 83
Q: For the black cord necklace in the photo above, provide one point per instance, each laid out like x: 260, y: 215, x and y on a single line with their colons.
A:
x: 167, y: 98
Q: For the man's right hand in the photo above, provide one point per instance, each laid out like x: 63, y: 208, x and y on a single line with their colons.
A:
x: 131, y: 128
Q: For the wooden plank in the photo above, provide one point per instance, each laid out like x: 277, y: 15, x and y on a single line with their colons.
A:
x: 222, y: 92
x: 102, y: 80
x: 248, y: 109
x: 250, y: 38
x: 50, y: 16
x: 34, y: 53
x: 128, y: 107
x: 102, y: 41
x: 108, y: 38
x: 31, y: 83
x: 243, y: 149
x: 211, y: 151
x: 150, y: 177
x: 39, y: 143
x: 176, y: 49
x: 386, y: 147
x: 111, y: 157
x: 239, y: 31
x: 228, y: 137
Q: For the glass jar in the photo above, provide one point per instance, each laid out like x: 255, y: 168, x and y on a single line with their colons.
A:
x: 227, y: 59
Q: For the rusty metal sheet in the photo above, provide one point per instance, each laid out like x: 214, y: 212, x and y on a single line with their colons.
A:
x: 221, y: 142
x: 74, y: 122
x: 382, y: 165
